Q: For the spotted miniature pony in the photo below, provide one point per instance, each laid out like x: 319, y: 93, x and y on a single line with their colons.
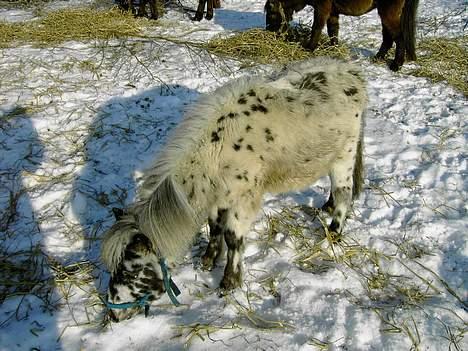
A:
x: 258, y: 134
x: 398, y: 19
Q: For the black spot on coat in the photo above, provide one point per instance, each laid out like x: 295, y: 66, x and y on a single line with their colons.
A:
x: 351, y: 91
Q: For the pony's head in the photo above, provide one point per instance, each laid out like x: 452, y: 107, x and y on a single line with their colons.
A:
x: 136, y: 277
x: 278, y: 16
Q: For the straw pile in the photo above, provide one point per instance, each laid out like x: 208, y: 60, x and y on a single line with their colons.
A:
x: 258, y: 45
x: 444, y: 59
x: 72, y: 24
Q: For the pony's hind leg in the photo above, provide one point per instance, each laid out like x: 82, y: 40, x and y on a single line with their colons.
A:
x: 214, y: 250
x: 341, y: 195
x: 329, y: 206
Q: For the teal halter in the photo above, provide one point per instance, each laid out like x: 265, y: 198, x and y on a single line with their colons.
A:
x: 141, y: 302
x: 171, y: 289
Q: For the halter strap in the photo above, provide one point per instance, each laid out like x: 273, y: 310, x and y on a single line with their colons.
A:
x: 171, y: 288
x: 142, y: 301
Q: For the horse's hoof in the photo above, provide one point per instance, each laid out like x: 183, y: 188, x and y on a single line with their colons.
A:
x: 209, y: 16
x: 198, y: 17
x: 378, y: 58
x: 395, y: 67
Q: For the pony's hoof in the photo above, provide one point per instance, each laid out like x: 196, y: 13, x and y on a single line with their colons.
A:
x: 209, y: 16
x: 231, y: 282
x: 207, y: 263
x: 334, y: 236
x: 328, y: 206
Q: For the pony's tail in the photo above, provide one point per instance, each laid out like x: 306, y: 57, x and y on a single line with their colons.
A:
x: 167, y: 219
x: 358, y: 173
x: 408, y: 28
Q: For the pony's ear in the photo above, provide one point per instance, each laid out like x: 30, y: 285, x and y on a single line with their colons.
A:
x: 116, y: 240
x: 118, y: 213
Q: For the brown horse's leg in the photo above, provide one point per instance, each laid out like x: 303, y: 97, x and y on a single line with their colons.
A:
x: 217, y: 4
x: 322, y: 12
x: 387, y: 42
x: 154, y: 9
x: 333, y: 26
x: 130, y: 7
x: 142, y: 9
x: 390, y: 16
x: 209, y: 10
x: 200, y: 9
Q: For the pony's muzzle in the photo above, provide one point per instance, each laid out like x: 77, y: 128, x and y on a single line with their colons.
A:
x: 118, y: 315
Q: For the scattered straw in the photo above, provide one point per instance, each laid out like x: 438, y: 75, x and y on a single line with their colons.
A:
x: 72, y: 24
x: 262, y: 46
x: 444, y: 59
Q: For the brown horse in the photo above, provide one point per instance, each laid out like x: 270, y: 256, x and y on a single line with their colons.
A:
x: 398, y: 19
x: 210, y: 4
x: 127, y: 5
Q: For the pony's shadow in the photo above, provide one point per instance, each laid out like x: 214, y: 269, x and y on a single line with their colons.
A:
x: 122, y: 141
x: 236, y: 20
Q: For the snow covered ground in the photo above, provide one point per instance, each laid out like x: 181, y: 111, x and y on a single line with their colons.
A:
x: 79, y: 122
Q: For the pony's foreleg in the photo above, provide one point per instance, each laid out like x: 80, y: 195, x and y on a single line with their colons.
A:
x: 200, y: 9
x: 214, y: 249
x: 232, y: 277
x: 321, y: 15
x: 333, y: 26
x: 238, y: 221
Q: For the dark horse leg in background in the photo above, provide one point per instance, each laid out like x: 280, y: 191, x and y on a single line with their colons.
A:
x: 322, y: 12
x: 154, y: 9
x: 333, y: 27
x: 398, y: 25
x: 209, y: 9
